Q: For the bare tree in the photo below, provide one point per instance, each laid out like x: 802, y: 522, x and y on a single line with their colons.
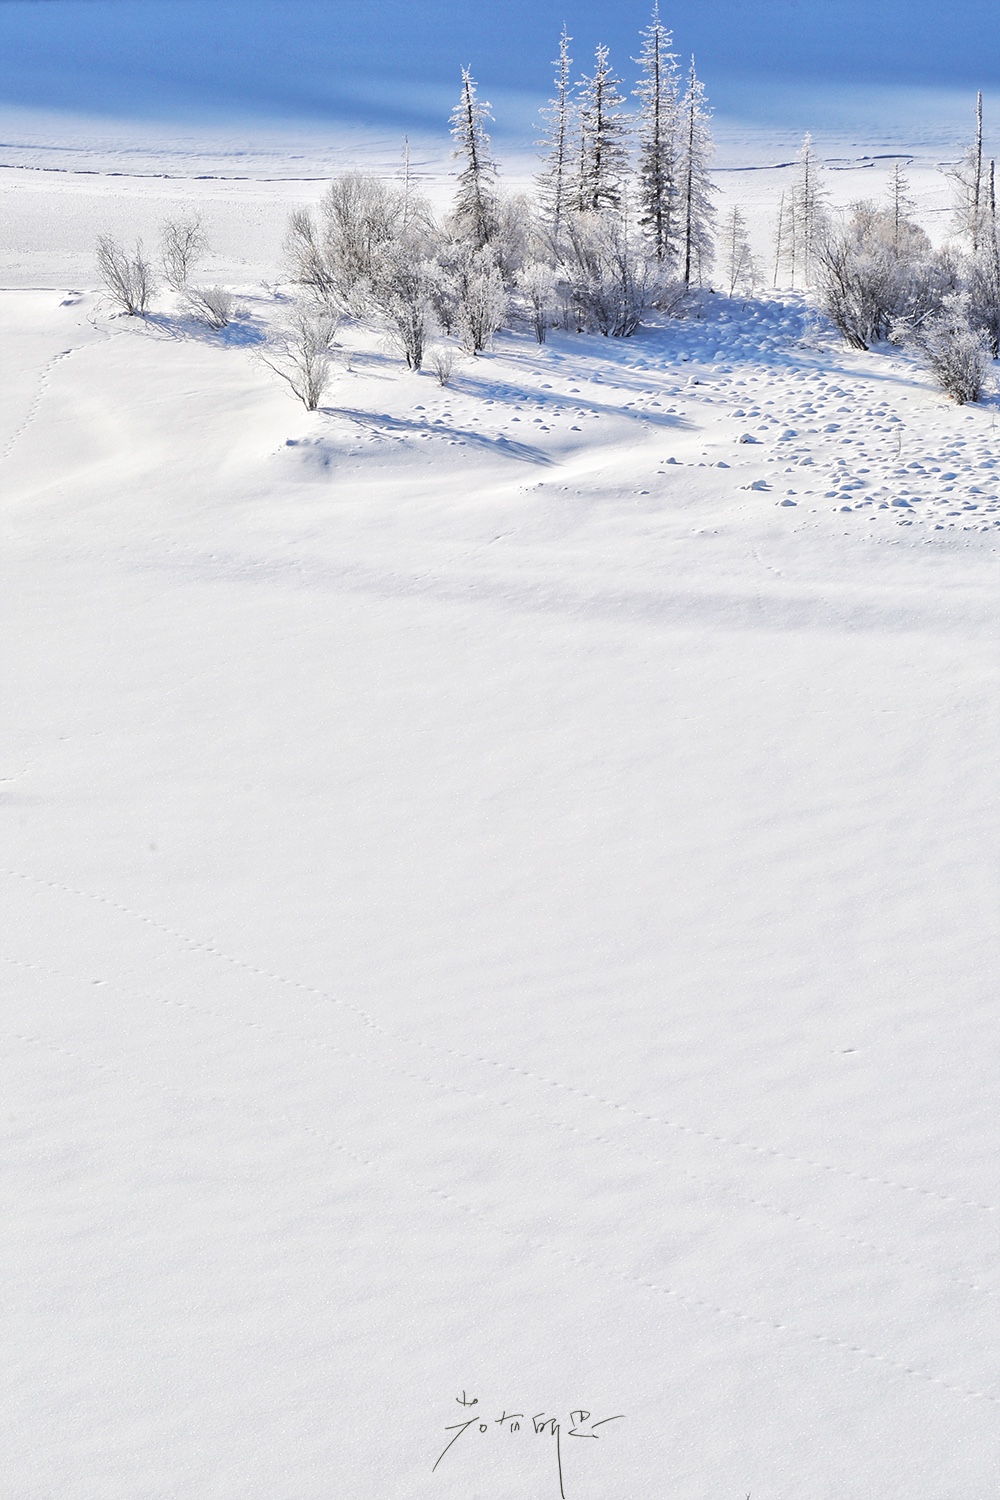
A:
x: 182, y: 244
x: 128, y: 279
x: 306, y: 259
x: 971, y: 202
x: 300, y: 350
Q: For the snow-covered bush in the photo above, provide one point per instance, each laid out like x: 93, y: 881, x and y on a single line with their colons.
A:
x: 400, y: 288
x: 983, y: 285
x: 338, y: 255
x: 871, y: 272
x: 128, y: 279
x: 537, y: 284
x: 182, y: 244
x: 956, y: 353
x: 306, y: 259
x: 300, y: 350
x: 213, y: 305
x: 612, y: 277
x: 442, y: 360
x: 481, y: 299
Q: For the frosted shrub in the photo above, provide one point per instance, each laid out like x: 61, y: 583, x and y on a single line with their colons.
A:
x: 300, y: 351
x: 182, y: 245
x: 401, y: 289
x: 128, y: 279
x: 613, y: 281
x: 984, y: 294
x: 481, y: 299
x: 213, y: 305
x: 306, y: 259
x: 338, y: 256
x: 443, y: 359
x: 956, y: 354
x: 537, y: 284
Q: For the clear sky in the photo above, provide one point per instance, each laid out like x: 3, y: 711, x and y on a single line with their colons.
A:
x: 396, y: 61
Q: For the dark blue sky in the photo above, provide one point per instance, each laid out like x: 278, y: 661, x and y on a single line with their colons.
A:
x: 317, y: 58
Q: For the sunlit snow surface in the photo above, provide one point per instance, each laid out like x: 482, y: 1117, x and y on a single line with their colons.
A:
x: 500, y: 890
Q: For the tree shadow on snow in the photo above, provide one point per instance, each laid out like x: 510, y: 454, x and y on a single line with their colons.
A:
x: 383, y: 425
x: 241, y: 333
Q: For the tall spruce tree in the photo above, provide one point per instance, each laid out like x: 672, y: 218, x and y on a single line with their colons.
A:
x: 603, y: 138
x: 476, y: 194
x: 658, y: 92
x: 697, y: 211
x: 555, y: 181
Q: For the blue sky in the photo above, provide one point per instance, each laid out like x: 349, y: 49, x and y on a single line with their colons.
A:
x: 397, y: 61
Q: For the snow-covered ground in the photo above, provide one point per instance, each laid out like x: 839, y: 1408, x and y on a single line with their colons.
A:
x: 500, y: 898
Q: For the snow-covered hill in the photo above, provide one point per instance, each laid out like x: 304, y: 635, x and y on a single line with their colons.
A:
x: 499, y: 884
x: 499, y: 897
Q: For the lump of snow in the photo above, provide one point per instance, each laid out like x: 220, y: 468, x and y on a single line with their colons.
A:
x: 747, y: 437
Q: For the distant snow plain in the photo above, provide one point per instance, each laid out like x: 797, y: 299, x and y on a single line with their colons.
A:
x: 500, y: 889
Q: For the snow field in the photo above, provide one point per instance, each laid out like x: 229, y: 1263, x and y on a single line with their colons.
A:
x: 500, y: 896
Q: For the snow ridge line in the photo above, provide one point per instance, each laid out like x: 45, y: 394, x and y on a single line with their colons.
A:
x: 762, y: 1204
x: 369, y: 1020
x: 583, y: 1262
x: 699, y: 1304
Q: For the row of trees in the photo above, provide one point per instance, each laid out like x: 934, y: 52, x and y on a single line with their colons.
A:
x: 878, y: 277
x: 622, y: 221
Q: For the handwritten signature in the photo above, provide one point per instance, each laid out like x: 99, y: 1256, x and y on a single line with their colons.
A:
x: 581, y: 1425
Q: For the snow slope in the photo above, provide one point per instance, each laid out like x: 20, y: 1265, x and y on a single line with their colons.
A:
x: 500, y: 899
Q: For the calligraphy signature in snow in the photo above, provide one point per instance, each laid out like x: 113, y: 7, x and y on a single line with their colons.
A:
x: 581, y: 1425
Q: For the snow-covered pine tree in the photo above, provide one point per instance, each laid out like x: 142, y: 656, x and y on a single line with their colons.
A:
x: 603, y: 138
x: 808, y: 213
x: 738, y: 265
x: 555, y: 181
x: 659, y: 124
x: 901, y: 205
x: 475, y: 210
x: 697, y: 211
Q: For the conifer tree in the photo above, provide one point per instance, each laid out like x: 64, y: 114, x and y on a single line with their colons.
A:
x: 658, y: 130
x: 901, y: 205
x: 555, y: 182
x: 808, y: 212
x: 603, y: 138
x: 697, y: 211
x: 738, y: 265
x: 475, y: 198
